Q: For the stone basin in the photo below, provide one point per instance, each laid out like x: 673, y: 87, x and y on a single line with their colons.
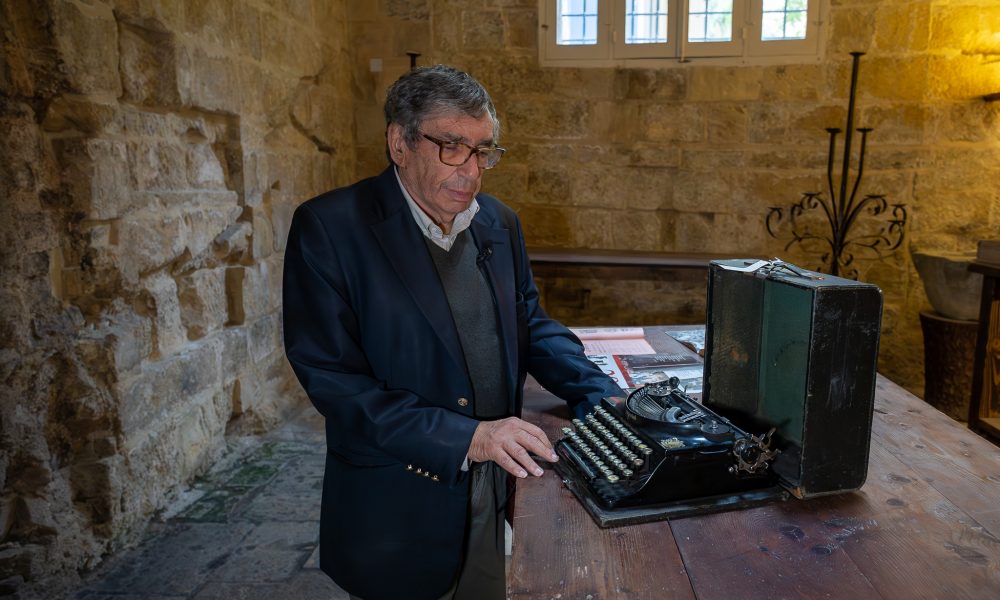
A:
x: 953, y: 290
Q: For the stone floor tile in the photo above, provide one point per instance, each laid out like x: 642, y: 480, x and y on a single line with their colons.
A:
x: 316, y: 439
x: 307, y: 585
x: 216, y: 506
x: 252, y: 473
x: 177, y: 562
x: 272, y: 552
x: 298, y: 476
x: 295, y: 495
x: 216, y: 590
x: 116, y: 596
x: 313, y: 561
x: 251, y: 533
x: 315, y: 585
x: 276, y: 506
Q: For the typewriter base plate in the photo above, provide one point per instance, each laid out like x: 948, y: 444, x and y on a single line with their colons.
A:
x: 670, y: 510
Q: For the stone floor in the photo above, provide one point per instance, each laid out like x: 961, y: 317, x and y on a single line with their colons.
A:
x: 251, y: 533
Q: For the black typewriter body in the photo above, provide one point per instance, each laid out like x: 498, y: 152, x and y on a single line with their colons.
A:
x: 662, y: 454
x: 790, y: 368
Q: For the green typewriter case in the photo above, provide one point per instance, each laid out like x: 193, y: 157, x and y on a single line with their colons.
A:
x: 797, y: 351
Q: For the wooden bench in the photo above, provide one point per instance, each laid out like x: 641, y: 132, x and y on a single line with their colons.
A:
x: 601, y: 287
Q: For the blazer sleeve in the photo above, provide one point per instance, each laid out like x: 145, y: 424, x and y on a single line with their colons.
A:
x: 555, y: 355
x: 365, y: 418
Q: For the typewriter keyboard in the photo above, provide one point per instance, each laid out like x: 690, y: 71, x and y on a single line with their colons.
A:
x: 609, y: 448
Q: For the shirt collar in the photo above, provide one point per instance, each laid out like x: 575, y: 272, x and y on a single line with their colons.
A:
x: 429, y: 228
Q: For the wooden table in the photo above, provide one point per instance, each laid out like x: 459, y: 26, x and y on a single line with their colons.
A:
x: 926, y: 524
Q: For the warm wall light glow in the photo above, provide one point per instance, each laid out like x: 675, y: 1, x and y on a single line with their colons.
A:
x: 991, y: 55
x: 991, y: 77
x: 965, y: 44
x: 981, y: 42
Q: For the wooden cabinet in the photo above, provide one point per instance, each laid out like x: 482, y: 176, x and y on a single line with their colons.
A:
x: 984, y: 405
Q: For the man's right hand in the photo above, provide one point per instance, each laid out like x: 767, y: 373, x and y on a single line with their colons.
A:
x: 508, y: 442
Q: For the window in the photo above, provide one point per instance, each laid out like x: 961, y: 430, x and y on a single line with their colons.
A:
x: 577, y: 22
x: 621, y: 32
x: 710, y: 21
x: 646, y: 21
x: 784, y: 20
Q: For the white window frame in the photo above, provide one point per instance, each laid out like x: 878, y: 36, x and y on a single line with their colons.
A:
x: 806, y: 47
x: 601, y: 51
x: 622, y: 50
x: 746, y: 47
x: 733, y: 47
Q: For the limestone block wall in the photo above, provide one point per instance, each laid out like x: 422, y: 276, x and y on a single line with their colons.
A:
x: 688, y: 158
x: 152, y: 155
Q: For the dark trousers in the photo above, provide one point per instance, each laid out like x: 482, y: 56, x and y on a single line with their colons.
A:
x: 483, y: 572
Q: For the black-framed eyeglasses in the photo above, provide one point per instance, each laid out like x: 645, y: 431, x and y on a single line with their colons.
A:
x: 456, y: 154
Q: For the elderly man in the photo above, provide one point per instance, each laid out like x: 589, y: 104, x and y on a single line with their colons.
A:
x: 411, y: 319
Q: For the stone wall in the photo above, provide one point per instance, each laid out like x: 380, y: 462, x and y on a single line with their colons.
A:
x: 151, y: 158
x: 153, y: 152
x: 689, y: 158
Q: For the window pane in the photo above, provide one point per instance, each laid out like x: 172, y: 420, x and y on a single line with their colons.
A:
x: 696, y: 28
x: 710, y: 21
x: 784, y: 20
x: 577, y: 22
x: 772, y: 26
x: 720, y: 28
x: 645, y: 21
x: 795, y: 26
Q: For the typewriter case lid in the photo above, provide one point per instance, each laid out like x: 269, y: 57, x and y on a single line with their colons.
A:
x: 795, y: 350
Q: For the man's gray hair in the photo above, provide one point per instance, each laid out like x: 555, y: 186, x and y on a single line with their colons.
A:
x: 426, y: 92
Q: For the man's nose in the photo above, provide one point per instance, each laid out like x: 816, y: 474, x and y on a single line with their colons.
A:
x: 471, y: 167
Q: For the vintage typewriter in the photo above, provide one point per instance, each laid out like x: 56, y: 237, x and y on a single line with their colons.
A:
x: 788, y: 400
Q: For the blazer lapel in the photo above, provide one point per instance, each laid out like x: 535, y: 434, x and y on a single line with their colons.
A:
x: 403, y: 244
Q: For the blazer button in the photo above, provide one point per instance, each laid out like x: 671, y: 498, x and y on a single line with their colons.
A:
x: 463, y: 402
x: 435, y: 478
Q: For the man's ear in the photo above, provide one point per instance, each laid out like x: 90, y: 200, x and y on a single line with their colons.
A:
x: 394, y: 138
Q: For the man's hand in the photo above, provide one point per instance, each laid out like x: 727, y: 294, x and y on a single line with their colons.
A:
x: 507, y: 442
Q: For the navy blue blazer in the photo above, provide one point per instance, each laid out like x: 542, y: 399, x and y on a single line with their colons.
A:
x: 370, y: 336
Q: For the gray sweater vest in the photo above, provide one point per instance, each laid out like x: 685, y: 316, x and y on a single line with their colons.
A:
x: 472, y: 309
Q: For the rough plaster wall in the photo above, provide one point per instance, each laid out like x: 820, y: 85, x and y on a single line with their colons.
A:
x: 151, y: 158
x: 689, y: 159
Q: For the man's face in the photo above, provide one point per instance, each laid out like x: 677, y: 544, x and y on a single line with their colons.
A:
x: 440, y: 190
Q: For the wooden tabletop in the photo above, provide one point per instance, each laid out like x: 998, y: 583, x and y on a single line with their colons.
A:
x: 926, y: 524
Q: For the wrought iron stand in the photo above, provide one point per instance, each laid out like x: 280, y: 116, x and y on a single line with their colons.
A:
x: 841, y: 210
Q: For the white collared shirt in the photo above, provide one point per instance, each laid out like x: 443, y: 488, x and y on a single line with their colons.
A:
x: 431, y: 229
x: 438, y: 236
